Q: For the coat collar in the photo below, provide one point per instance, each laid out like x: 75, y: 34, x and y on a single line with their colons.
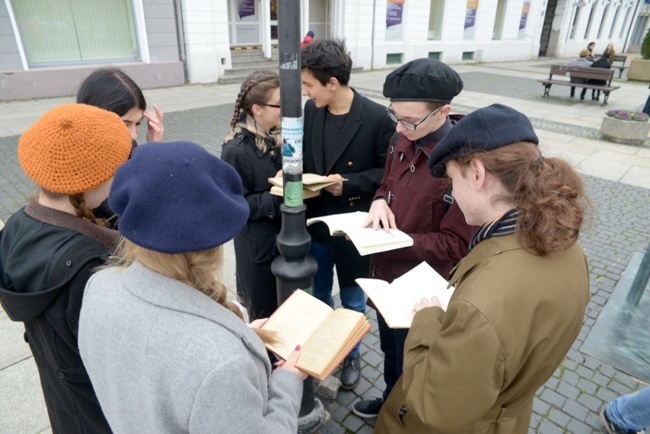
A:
x: 174, y: 295
x: 483, y: 250
x: 350, y: 127
x: 51, y: 216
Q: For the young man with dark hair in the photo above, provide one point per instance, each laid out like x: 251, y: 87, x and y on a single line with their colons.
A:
x: 411, y: 200
x: 345, y: 137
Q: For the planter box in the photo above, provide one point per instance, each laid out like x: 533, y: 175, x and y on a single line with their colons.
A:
x: 639, y: 70
x: 627, y: 132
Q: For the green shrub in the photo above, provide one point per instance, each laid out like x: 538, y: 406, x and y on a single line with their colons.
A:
x: 645, y: 47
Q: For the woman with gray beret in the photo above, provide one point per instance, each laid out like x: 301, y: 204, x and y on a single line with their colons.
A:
x: 521, y: 292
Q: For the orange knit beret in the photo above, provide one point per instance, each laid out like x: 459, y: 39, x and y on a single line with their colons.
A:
x: 74, y: 148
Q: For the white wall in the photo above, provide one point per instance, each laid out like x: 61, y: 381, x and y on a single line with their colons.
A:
x: 206, y: 38
x: 414, y: 43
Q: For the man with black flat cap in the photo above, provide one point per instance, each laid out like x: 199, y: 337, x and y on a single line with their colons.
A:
x: 410, y: 199
x: 521, y: 291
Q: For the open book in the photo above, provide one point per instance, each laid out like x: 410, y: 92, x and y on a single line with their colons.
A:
x: 395, y: 300
x: 312, y: 184
x: 366, y: 240
x: 325, y: 335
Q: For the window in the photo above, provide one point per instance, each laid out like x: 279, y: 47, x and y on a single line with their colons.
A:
x: 602, y: 22
x: 435, y: 55
x: 625, y: 21
x: 76, y: 31
x: 468, y: 55
x: 497, y: 31
x: 574, y: 24
x: 436, y: 15
x: 614, y: 22
x: 589, y: 21
x: 394, y: 58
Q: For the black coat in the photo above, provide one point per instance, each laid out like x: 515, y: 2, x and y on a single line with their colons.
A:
x: 255, y: 244
x: 43, y: 273
x: 362, y: 142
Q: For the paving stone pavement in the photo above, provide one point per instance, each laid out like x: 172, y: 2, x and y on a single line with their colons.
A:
x: 567, y: 403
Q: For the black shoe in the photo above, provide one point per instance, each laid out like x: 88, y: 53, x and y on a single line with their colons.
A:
x: 611, y: 427
x: 351, y: 374
x: 367, y: 408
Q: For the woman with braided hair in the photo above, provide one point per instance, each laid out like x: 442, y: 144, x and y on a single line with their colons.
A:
x: 253, y: 149
x: 521, y: 291
x: 49, y: 248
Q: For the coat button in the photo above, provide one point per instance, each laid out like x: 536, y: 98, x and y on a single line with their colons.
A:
x: 351, y: 204
x: 68, y: 263
x: 412, y: 168
x: 60, y: 374
x: 350, y: 164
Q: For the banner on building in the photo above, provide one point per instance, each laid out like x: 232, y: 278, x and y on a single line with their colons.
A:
x: 394, y: 25
x: 245, y: 8
x: 525, y: 10
x: 470, y: 19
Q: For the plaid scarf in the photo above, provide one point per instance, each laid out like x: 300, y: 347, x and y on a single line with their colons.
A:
x: 262, y: 138
x: 504, y: 225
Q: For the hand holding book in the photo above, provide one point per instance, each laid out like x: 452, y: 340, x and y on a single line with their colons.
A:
x: 325, y: 335
x: 396, y: 301
x: 366, y: 240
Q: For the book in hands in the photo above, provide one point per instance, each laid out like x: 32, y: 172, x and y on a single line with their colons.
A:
x: 395, y: 300
x: 366, y: 240
x: 312, y: 184
x: 326, y: 335
x: 306, y: 194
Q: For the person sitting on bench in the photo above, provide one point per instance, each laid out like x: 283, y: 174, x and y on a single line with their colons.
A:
x: 582, y: 62
x: 602, y: 62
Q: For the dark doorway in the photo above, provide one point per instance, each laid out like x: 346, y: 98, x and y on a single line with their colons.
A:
x: 548, y: 25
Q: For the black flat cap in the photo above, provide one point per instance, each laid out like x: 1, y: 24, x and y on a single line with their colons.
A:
x: 423, y: 80
x: 482, y: 130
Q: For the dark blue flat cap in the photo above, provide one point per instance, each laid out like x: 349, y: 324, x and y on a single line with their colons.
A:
x: 482, y: 130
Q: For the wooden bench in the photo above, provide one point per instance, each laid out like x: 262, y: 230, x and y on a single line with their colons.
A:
x: 577, y: 72
x: 617, y: 58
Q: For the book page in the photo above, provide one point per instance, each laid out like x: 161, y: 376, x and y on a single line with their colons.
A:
x: 395, y: 301
x: 324, y: 347
x: 369, y: 237
x: 306, y: 194
x: 310, y: 181
x: 339, y: 224
x: 295, y: 321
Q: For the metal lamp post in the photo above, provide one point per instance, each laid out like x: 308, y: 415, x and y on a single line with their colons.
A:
x: 294, y: 268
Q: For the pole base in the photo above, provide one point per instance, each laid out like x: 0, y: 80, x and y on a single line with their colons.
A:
x: 311, y: 422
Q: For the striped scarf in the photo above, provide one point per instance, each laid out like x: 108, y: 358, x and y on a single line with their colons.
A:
x: 504, y: 225
x: 264, y: 140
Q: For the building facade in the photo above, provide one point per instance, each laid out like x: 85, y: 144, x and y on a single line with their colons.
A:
x: 47, y: 47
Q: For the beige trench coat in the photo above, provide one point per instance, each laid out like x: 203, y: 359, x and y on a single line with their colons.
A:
x: 476, y: 368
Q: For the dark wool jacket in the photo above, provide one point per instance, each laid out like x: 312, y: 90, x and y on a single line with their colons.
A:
x: 362, y: 144
x: 255, y: 244
x: 46, y: 257
x: 441, y: 238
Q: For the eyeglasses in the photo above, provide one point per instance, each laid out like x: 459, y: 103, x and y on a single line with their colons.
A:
x: 408, y: 124
x: 272, y: 105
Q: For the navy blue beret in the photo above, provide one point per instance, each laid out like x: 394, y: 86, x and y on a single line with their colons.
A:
x: 177, y: 197
x: 423, y: 80
x: 482, y: 130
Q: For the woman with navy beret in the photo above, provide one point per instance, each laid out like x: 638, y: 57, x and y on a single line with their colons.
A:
x: 165, y: 349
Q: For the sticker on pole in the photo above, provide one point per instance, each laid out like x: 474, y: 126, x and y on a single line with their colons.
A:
x: 292, y: 160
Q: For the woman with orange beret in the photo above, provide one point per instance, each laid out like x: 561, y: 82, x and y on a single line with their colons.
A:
x: 49, y: 248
